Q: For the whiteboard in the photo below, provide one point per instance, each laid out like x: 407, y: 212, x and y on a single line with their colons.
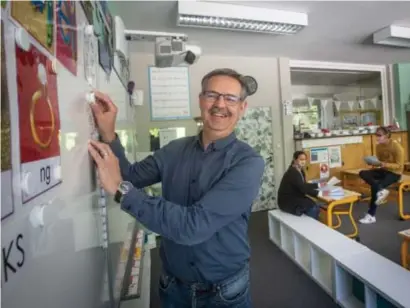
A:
x: 62, y: 263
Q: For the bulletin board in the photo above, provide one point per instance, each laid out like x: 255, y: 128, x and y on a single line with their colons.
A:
x: 45, y: 163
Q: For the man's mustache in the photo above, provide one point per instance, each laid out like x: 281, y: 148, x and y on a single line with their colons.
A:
x: 216, y: 109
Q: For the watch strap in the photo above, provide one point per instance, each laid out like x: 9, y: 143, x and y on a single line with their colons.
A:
x: 118, y: 196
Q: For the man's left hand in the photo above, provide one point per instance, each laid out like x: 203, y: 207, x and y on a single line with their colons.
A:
x: 107, y: 165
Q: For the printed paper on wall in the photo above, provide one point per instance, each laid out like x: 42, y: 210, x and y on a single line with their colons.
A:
x: 67, y: 34
x: 319, y: 155
x: 37, y: 17
x: 324, y: 171
x: 335, y: 157
x: 39, y: 123
x: 102, y: 32
x: 6, y: 167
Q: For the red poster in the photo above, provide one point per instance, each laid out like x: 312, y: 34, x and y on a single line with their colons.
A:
x: 67, y: 35
x: 39, y: 122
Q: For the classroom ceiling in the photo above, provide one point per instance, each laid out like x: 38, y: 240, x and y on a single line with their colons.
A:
x: 334, y: 78
x: 337, y: 31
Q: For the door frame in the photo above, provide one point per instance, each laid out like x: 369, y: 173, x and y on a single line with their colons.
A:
x: 382, y: 69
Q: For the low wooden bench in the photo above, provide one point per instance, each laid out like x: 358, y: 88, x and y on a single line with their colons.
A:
x: 351, y: 180
x: 405, y: 245
x: 337, y: 207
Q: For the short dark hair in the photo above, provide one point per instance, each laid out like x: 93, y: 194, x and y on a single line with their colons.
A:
x: 384, y: 130
x: 226, y: 72
x: 297, y: 154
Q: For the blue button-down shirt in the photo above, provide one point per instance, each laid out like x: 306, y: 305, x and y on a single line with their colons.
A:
x: 205, y: 205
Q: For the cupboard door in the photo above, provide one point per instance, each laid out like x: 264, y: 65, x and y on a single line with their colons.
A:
x: 398, y: 137
x: 405, y: 144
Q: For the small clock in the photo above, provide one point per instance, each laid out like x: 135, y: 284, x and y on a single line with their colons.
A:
x: 251, y: 84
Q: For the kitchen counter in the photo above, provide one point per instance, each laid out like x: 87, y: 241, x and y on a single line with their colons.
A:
x: 342, y: 136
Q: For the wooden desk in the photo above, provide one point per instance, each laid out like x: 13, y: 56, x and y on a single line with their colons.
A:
x: 350, y: 181
x: 333, y: 208
x: 407, y: 167
x: 405, y: 244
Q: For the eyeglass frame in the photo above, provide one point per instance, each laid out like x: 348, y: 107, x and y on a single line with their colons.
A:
x: 236, y: 99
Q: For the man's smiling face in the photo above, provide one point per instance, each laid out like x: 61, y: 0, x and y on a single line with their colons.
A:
x: 221, y: 104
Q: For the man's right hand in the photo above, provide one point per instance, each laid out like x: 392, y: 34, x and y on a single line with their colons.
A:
x: 105, y: 114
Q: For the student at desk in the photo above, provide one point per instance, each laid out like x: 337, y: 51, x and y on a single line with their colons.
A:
x: 391, y: 156
x: 294, y: 190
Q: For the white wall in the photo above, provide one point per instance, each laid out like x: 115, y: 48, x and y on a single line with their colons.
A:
x: 61, y: 264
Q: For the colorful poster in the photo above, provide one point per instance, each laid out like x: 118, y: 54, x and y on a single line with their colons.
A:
x: 37, y: 17
x: 39, y: 123
x: 98, y: 22
x: 67, y: 35
x: 104, y: 55
x: 88, y: 7
x: 106, y: 13
x: 6, y: 167
x: 319, y: 155
x: 101, y: 31
x: 324, y: 171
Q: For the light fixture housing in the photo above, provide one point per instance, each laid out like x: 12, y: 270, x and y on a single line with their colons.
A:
x: 393, y: 36
x: 239, y: 18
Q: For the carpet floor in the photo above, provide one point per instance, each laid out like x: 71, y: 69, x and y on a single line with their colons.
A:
x: 276, y: 282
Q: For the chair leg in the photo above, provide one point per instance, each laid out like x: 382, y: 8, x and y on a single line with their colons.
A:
x: 400, y: 201
x: 339, y: 221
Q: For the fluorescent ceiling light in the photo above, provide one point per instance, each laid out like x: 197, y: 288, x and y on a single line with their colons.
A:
x: 393, y: 36
x: 240, y: 18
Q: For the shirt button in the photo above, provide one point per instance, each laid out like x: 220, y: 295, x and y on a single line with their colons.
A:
x: 140, y: 213
x: 192, y: 263
x: 193, y: 181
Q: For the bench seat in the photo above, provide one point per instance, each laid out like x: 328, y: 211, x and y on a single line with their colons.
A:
x: 334, y: 261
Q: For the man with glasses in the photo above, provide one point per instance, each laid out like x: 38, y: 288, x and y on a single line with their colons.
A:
x: 209, y: 182
x: 390, y: 153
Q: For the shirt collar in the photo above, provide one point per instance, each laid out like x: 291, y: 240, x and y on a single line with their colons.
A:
x: 217, y: 144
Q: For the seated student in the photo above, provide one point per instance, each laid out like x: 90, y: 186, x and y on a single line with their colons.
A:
x: 294, y: 190
x: 391, y: 155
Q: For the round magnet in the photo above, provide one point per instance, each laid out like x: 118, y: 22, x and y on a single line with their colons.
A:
x: 22, y: 39
x: 25, y: 182
x: 57, y: 172
x: 37, y: 216
x: 90, y: 97
x: 89, y: 30
x: 42, y: 74
x: 52, y: 66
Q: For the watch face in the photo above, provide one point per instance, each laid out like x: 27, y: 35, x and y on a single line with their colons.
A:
x: 251, y: 84
x: 125, y: 187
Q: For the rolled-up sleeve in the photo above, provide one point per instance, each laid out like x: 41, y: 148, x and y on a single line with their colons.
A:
x: 228, y: 199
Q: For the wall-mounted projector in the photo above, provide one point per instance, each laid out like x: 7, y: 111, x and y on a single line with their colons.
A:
x: 171, y: 49
x: 174, y: 52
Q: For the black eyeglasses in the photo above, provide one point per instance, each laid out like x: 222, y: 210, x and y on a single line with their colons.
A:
x: 212, y: 96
